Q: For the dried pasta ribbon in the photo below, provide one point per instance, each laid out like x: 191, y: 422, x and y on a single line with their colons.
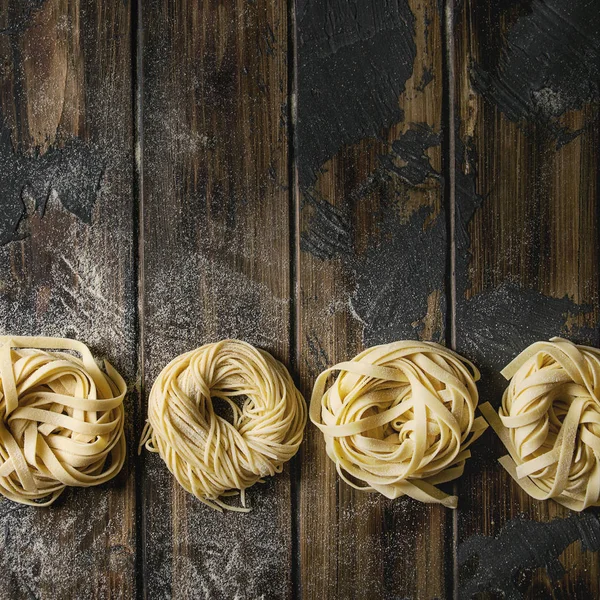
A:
x: 61, y: 419
x: 210, y: 456
x: 549, y: 422
x: 399, y: 418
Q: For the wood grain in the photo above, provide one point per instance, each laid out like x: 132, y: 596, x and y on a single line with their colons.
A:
x: 368, y: 164
x: 67, y: 263
x: 527, y: 263
x: 216, y: 264
x: 312, y: 251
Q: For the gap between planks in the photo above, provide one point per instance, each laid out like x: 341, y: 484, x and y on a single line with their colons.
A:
x: 294, y: 216
x: 449, y: 162
x: 138, y: 196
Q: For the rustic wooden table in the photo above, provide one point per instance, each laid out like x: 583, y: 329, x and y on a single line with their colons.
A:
x: 314, y: 177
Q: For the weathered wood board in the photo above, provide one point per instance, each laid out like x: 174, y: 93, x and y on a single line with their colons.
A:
x: 216, y: 264
x: 314, y: 177
x: 527, y: 152
x: 371, y: 219
x: 67, y: 264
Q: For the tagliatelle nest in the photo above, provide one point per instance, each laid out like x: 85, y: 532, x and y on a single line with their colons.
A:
x: 549, y: 422
x: 399, y: 419
x: 61, y: 419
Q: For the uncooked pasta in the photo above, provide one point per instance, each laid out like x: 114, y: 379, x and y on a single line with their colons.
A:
x: 549, y: 422
x: 398, y: 419
x: 216, y: 455
x: 61, y: 419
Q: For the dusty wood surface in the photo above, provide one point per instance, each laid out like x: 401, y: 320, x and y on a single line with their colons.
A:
x: 368, y: 166
x: 293, y: 179
x: 216, y: 264
x: 527, y: 265
x: 67, y: 264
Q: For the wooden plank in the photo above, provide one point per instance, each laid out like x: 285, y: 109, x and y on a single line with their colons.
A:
x: 527, y: 268
x: 67, y: 263
x: 369, y: 93
x: 216, y: 264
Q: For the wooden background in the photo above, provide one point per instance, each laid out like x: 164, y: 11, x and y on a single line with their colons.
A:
x: 314, y: 177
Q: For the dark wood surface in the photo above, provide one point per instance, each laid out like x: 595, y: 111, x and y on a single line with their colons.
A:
x: 370, y: 196
x: 67, y: 264
x: 314, y: 177
x: 216, y: 264
x: 527, y: 151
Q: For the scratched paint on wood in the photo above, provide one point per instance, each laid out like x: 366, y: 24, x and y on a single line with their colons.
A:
x: 368, y: 138
x: 355, y: 254
x: 527, y: 233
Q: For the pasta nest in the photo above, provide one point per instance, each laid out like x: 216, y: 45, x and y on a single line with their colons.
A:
x: 212, y: 456
x: 398, y: 419
x: 549, y: 422
x: 61, y: 419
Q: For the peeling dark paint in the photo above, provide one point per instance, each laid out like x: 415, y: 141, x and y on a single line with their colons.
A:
x: 549, y: 63
x: 390, y: 290
x: 396, y: 274
x: 564, y: 135
x: 493, y: 563
x: 354, y: 60
x: 496, y: 325
x: 467, y: 203
x: 410, y: 150
x: 72, y: 172
x: 330, y: 231
x: 426, y: 78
